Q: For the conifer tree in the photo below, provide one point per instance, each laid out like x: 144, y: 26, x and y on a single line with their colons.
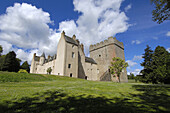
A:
x: 11, y: 63
x: 25, y: 66
x: 160, y: 64
x: 147, y: 64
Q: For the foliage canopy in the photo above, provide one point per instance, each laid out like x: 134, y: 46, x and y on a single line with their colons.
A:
x: 156, y: 66
x: 161, y: 11
x: 117, y: 65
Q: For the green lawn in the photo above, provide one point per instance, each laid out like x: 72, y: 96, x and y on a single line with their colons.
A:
x: 47, y: 93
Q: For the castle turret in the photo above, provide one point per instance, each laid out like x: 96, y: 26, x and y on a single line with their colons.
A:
x: 42, y: 59
x: 32, y: 69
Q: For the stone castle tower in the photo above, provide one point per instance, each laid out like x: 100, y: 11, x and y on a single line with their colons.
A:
x: 103, y: 53
x: 71, y: 61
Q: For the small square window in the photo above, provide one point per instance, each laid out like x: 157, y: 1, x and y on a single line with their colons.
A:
x: 69, y: 65
x: 99, y: 55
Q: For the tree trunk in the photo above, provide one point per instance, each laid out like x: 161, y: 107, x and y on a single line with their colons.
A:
x: 119, y: 78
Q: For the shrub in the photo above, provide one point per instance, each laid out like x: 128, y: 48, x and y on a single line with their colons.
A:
x: 22, y: 71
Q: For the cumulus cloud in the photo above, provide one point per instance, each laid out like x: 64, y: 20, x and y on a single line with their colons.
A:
x: 6, y: 47
x: 128, y: 7
x: 99, y: 19
x: 27, y: 26
x: 168, y: 33
x: 136, y: 42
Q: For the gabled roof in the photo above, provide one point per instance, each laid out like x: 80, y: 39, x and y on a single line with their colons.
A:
x: 43, y: 55
x: 90, y: 60
x: 70, y: 40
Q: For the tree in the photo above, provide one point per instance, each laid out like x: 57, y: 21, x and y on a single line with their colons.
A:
x: 156, y: 66
x: 49, y: 70
x: 25, y: 66
x: 1, y: 50
x: 147, y: 64
x: 161, y: 11
x: 131, y: 76
x: 117, y: 65
x: 160, y: 64
x: 2, y: 58
x: 11, y: 63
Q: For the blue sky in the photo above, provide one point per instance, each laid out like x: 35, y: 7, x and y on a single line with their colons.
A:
x: 28, y: 26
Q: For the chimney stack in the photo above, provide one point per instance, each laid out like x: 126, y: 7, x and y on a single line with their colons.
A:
x: 74, y: 37
x: 34, y: 55
x: 63, y: 34
x: 82, y: 47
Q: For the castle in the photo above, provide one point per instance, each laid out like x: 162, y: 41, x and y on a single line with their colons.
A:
x: 71, y: 61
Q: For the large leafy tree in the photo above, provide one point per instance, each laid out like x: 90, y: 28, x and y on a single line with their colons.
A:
x: 11, y: 63
x: 25, y: 66
x: 161, y: 11
x: 147, y: 64
x: 117, y: 65
x: 1, y: 50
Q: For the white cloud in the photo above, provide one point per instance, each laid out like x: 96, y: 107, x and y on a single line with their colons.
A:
x: 136, y: 71
x: 136, y: 42
x: 131, y: 63
x: 168, y: 49
x: 168, y: 33
x: 98, y: 20
x: 137, y: 57
x: 26, y: 26
x: 128, y: 7
x: 6, y: 47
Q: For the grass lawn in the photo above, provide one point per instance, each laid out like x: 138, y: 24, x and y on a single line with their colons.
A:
x: 47, y: 93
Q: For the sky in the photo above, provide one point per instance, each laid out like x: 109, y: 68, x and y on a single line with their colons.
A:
x: 34, y: 26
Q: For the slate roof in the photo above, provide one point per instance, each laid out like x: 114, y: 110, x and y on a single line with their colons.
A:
x: 70, y: 40
x: 90, y: 60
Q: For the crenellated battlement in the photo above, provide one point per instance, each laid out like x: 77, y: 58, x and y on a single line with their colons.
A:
x: 107, y: 42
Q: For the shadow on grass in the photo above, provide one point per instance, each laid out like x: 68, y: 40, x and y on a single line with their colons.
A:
x: 156, y: 98
x: 151, y: 99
